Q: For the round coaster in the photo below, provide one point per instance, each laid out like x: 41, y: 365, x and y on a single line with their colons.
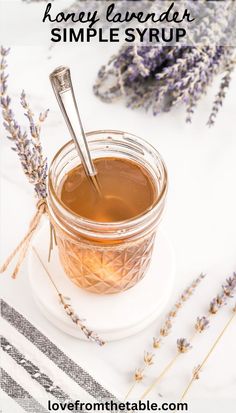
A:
x: 113, y: 316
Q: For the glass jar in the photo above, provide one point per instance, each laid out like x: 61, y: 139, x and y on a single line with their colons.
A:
x: 106, y: 258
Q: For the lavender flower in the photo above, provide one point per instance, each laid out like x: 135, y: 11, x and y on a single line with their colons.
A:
x: 156, y: 342
x: 148, y: 358
x: 196, y: 372
x: 213, y: 306
x: 228, y: 291
x: 29, y: 150
x: 230, y: 286
x: 165, y: 329
x: 202, y: 324
x: 138, y: 375
x: 183, y: 345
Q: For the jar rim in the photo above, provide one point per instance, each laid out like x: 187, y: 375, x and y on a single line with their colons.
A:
x: 96, y: 225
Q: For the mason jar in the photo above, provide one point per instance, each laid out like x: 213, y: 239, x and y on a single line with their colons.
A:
x: 100, y: 257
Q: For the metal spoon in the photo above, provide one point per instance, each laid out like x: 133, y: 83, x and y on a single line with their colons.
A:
x: 62, y: 85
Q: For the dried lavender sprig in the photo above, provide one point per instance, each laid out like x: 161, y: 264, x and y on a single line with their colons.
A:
x: 228, y: 291
x: 91, y: 335
x: 224, y: 86
x: 29, y: 150
x: 205, y: 79
x: 187, y: 293
x: 165, y: 330
x: 202, y: 324
x: 197, y: 370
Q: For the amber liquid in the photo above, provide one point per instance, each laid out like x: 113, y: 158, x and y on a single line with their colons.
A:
x: 126, y: 191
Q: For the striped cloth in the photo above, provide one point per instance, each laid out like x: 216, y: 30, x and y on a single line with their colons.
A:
x: 34, y: 370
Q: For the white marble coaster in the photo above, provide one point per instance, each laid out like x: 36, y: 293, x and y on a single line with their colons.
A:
x: 114, y: 316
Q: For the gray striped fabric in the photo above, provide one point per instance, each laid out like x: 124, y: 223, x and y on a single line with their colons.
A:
x: 50, y: 350
x: 33, y: 371
x: 20, y: 396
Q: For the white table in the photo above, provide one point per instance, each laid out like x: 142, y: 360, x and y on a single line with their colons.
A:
x: 199, y: 220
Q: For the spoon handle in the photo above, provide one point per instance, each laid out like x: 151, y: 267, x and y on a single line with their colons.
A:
x: 62, y: 85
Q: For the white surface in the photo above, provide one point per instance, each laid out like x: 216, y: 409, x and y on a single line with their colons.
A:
x: 113, y: 316
x: 199, y: 221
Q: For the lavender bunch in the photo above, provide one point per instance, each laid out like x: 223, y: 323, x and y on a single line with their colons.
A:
x: 158, y: 77
x: 28, y: 149
x: 161, y: 77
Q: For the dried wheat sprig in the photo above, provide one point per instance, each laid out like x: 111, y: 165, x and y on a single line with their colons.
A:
x: 164, y: 331
x: 201, y: 325
x: 91, y: 335
x: 28, y: 149
x: 197, y: 370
